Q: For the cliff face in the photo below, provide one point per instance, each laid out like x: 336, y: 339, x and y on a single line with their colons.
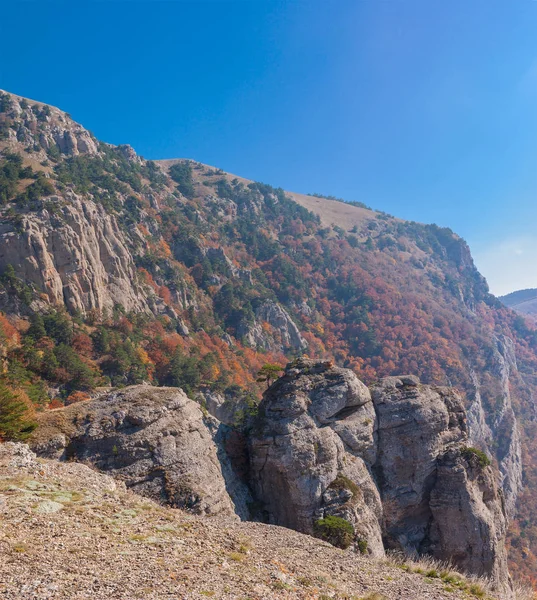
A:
x: 76, y: 254
x: 438, y: 497
x: 491, y: 416
x: 66, y: 245
x: 43, y: 127
x: 393, y: 463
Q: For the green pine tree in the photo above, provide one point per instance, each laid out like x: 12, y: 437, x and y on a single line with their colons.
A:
x: 269, y: 373
x: 15, y: 423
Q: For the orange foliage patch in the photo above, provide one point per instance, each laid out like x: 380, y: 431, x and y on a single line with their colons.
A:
x: 76, y: 397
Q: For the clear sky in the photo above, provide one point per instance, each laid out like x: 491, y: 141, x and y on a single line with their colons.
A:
x: 422, y: 108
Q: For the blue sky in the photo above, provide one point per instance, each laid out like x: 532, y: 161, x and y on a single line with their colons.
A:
x: 424, y: 109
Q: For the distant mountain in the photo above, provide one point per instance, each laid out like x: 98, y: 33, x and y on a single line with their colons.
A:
x: 115, y: 270
x: 523, y: 301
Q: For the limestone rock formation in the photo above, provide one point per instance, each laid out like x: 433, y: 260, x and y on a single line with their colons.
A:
x: 394, y: 462
x: 439, y: 497
x: 416, y: 425
x: 49, y: 127
x: 285, y: 334
x: 156, y: 440
x: 468, y: 524
x: 76, y: 255
x: 226, y: 410
x: 491, y: 416
x: 310, y: 451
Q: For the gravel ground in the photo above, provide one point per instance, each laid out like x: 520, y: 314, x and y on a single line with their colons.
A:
x: 67, y: 532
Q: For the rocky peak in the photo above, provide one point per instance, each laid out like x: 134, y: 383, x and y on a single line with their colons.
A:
x: 42, y: 127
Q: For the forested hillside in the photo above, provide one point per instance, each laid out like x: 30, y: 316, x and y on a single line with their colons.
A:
x: 116, y: 270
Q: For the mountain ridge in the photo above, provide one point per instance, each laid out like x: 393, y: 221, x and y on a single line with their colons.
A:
x: 522, y: 301
x: 331, y: 211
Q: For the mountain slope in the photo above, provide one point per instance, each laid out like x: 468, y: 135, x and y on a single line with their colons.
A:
x: 180, y: 274
x: 70, y: 533
x: 523, y: 301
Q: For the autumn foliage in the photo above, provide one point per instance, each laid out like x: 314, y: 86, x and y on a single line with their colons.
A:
x: 386, y: 297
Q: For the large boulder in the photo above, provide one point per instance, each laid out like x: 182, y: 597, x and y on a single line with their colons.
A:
x: 156, y: 440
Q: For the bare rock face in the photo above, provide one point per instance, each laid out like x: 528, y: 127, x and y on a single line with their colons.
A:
x: 491, y: 417
x: 156, y: 440
x: 284, y: 333
x: 394, y: 463
x: 468, y: 524
x: 276, y: 316
x: 228, y: 411
x: 76, y: 255
x: 416, y: 424
x: 439, y: 497
x: 49, y: 127
x: 309, y: 452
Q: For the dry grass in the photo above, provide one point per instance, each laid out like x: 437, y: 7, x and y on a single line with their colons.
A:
x: 331, y: 212
x: 474, y: 587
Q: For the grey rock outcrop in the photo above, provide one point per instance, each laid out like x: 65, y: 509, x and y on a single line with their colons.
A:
x: 76, y: 255
x: 491, y: 416
x: 226, y: 410
x: 439, y: 498
x: 48, y: 127
x: 284, y: 335
x: 393, y: 462
x: 309, y: 452
x: 156, y: 440
x: 469, y: 524
x: 415, y: 426
x: 218, y: 256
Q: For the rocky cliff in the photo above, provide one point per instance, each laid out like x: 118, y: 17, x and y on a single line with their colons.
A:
x: 66, y: 246
x: 394, y: 463
x: 439, y: 495
x: 75, y: 253
x: 311, y: 448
